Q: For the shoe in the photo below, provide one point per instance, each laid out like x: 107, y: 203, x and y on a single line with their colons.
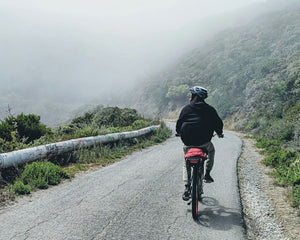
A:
x: 187, y: 193
x: 208, y: 178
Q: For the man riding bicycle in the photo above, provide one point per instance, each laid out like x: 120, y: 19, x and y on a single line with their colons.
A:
x: 196, y: 125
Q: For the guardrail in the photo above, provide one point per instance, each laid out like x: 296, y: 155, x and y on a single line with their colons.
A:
x: 49, y: 150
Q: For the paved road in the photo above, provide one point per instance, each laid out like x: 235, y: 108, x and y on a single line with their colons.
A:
x: 136, y: 198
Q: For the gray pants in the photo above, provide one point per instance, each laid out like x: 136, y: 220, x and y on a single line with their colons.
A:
x: 209, y: 162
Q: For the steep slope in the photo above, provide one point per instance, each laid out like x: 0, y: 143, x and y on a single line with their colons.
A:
x: 252, y: 74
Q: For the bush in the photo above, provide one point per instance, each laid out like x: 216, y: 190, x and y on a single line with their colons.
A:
x: 86, y: 132
x: 269, y: 145
x: 138, y: 124
x: 26, y: 127
x: 280, y: 158
x: 70, y: 129
x: 161, y: 134
x: 29, y: 126
x: 295, y: 195
x: 102, y: 121
x: 281, y: 130
x: 20, y: 188
x: 42, y: 174
x: 116, y: 117
x: 285, y: 163
x: 87, y: 118
x: 251, y: 126
x: 7, y: 126
x: 293, y: 112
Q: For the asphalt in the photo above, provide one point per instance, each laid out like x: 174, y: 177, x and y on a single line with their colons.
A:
x: 136, y: 198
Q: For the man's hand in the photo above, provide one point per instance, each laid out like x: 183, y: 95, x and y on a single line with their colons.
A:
x: 221, y: 135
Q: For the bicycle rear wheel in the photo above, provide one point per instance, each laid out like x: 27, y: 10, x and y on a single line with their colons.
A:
x: 200, y: 182
x: 195, y: 189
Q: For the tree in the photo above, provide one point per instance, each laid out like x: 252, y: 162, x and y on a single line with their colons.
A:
x: 177, y: 92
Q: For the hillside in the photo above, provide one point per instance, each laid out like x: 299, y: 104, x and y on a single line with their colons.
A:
x: 252, y: 74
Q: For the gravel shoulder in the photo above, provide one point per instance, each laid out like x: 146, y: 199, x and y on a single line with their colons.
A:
x: 267, y: 212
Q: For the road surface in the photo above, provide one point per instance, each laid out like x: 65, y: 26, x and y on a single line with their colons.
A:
x: 136, y: 198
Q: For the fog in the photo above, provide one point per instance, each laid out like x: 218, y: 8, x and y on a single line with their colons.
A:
x: 74, y: 52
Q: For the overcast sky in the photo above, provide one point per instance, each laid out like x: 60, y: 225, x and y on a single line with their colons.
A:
x: 85, y: 48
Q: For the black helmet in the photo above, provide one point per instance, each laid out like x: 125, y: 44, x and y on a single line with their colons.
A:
x: 199, y: 91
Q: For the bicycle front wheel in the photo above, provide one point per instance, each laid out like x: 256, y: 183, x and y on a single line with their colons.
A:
x: 195, y: 188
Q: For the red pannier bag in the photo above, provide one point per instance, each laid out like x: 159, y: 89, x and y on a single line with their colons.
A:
x: 193, y: 152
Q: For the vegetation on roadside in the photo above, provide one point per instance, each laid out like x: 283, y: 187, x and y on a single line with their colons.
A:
x: 39, y: 175
x: 107, y: 154
x: 25, y: 131
x: 286, y: 166
x: 42, y: 174
x: 20, y: 131
x: 20, y: 188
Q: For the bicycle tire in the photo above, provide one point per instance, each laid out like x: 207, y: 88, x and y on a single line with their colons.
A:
x: 195, y: 188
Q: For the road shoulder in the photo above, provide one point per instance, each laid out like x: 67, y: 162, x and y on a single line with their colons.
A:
x: 267, y: 212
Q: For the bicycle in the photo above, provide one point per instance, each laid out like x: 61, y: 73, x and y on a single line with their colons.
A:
x: 195, y: 158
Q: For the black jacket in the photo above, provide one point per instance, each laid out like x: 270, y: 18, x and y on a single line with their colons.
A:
x: 197, y: 123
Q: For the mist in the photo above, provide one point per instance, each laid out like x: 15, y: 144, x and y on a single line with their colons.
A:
x: 70, y: 53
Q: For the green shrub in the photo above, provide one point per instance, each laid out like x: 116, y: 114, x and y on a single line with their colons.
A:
x: 139, y: 124
x: 293, y: 112
x: 87, y: 118
x: 161, y: 134
x: 26, y: 127
x: 286, y: 165
x: 39, y: 181
x: 285, y: 176
x: 29, y: 126
x: 14, y: 144
x: 7, y: 126
x: 266, y: 143
x: 20, y: 188
x: 70, y: 129
x: 86, y: 132
x: 156, y: 139
x: 116, y: 117
x: 280, y: 158
x: 42, y: 174
x: 295, y: 195
x: 280, y: 130
x: 251, y: 126
x: 286, y: 135
x: 119, y: 129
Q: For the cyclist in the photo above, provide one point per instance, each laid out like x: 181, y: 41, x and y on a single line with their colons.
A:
x: 196, y: 125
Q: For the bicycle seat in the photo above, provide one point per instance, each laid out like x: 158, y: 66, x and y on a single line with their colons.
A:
x: 195, y: 152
